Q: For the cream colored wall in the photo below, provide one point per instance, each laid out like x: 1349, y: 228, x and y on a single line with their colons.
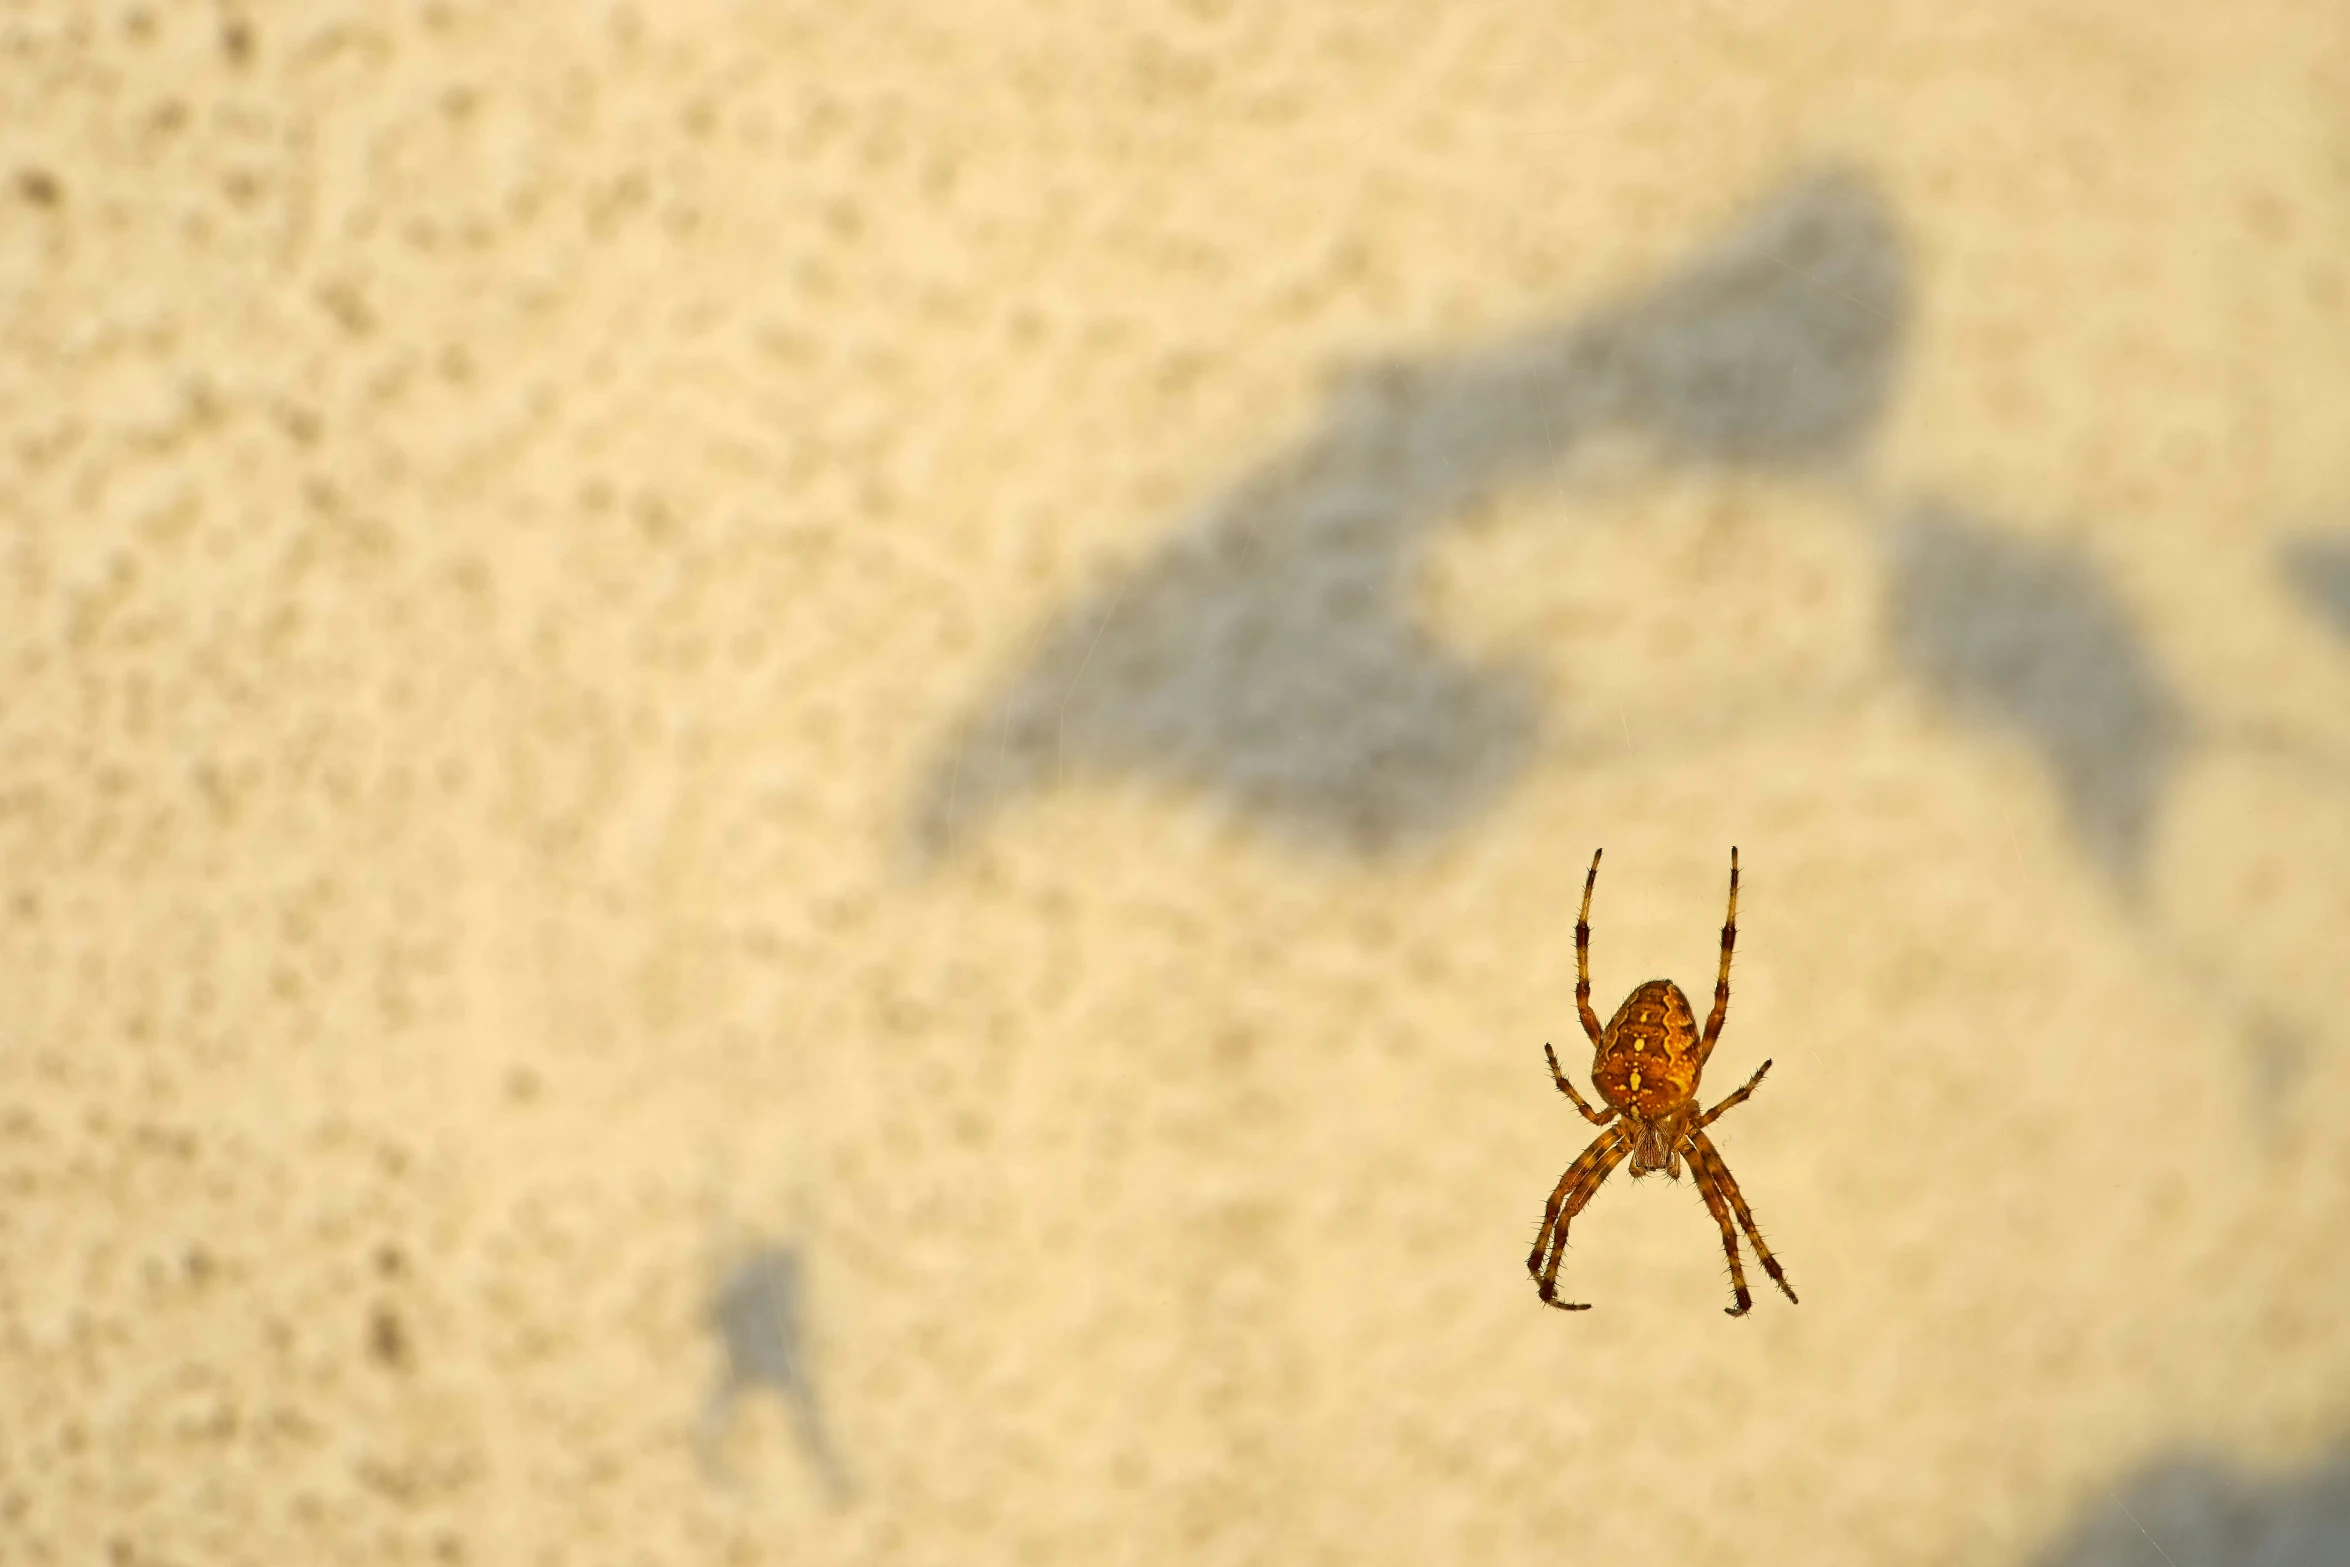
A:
x: 510, y: 513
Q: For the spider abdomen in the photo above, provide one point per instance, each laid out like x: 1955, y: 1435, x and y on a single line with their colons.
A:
x: 1648, y: 1060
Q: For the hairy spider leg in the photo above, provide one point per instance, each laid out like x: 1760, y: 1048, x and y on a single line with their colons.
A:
x: 1595, y: 1117
x: 1583, y: 957
x: 1713, y: 1019
x: 1733, y: 1101
x: 1706, y: 1188
x: 1575, y: 1189
x: 1704, y: 1155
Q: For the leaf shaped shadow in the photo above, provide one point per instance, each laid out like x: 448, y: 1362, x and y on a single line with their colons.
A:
x: 1266, y: 653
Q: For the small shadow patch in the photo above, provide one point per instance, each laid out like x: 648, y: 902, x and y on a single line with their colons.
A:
x: 2319, y: 569
x: 2199, y: 1512
x: 2033, y: 639
x: 758, y: 1314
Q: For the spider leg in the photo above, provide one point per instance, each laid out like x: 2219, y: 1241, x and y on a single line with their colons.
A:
x: 1703, y: 1179
x: 1575, y: 1189
x: 1705, y: 1157
x: 1583, y: 956
x: 1713, y: 1019
x: 1577, y: 1184
x: 1737, y: 1098
x: 1595, y: 1117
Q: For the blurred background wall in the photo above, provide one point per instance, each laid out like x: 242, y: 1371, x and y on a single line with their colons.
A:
x: 802, y: 783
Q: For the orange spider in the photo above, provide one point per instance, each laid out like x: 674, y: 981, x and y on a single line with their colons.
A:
x: 1648, y: 1062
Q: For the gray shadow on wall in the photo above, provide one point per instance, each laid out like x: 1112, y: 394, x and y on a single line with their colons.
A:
x: 759, y: 1314
x: 1267, y: 654
x: 2319, y: 568
x: 2031, y: 639
x: 2201, y: 1513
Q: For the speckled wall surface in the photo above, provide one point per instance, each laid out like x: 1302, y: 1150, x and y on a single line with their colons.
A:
x: 805, y: 783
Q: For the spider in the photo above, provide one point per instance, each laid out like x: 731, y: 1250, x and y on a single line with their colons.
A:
x: 1649, y: 1059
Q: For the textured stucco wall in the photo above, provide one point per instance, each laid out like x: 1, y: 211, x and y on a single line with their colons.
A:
x: 804, y: 782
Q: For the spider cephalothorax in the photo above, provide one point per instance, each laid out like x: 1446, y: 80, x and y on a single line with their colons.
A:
x: 1647, y: 1063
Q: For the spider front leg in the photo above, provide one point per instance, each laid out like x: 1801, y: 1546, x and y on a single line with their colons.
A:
x: 1575, y: 1191
x: 1721, y: 1011
x: 1583, y: 956
x: 1595, y: 1117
